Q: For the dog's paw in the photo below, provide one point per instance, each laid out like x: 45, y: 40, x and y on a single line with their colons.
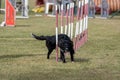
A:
x: 64, y: 61
x: 59, y: 60
x: 73, y: 62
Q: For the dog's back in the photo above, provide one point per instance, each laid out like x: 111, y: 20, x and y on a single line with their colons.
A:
x: 64, y: 37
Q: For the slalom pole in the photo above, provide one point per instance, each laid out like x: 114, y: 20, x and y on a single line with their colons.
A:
x: 62, y: 19
x: 81, y: 17
x: 86, y: 28
x: 78, y: 39
x: 56, y: 33
x: 69, y: 25
x: 66, y: 26
x: 77, y: 28
x: 72, y: 20
x: 77, y: 22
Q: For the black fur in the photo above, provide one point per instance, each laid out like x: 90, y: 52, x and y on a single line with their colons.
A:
x: 64, y: 43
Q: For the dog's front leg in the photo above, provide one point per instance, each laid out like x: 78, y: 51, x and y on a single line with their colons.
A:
x: 72, y: 57
x: 62, y: 56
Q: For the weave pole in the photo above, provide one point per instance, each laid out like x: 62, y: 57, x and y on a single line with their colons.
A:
x: 81, y: 24
x: 61, y: 18
x: 77, y: 26
x: 69, y: 19
x: 67, y: 22
x: 72, y: 19
x: 79, y: 33
x: 56, y: 33
x: 86, y: 26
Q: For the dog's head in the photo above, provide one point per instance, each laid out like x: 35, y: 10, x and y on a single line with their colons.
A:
x: 66, y: 46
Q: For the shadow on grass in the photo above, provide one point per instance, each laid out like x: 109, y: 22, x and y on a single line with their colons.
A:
x: 20, y: 55
x: 22, y: 25
x: 81, y: 60
x: 76, y: 60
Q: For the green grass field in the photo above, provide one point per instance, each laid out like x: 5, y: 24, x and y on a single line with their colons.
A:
x: 24, y: 58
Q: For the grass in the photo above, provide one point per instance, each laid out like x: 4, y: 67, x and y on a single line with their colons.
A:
x: 24, y: 58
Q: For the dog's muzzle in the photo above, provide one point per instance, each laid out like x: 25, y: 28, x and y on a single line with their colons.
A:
x: 66, y: 49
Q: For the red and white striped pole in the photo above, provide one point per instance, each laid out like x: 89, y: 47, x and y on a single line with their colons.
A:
x: 81, y: 17
x: 82, y: 22
x: 72, y: 19
x: 56, y: 33
x: 66, y: 26
x: 69, y: 25
x: 77, y: 28
x: 86, y: 28
x: 61, y: 18
x: 77, y: 22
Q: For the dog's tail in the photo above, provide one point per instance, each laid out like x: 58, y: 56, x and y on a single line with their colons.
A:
x: 38, y: 37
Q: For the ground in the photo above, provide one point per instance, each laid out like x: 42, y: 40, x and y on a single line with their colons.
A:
x: 24, y: 58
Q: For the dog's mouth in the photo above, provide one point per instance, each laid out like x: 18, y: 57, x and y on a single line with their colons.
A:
x: 66, y: 50
x: 66, y: 53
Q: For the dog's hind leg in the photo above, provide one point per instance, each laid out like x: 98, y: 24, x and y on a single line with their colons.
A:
x: 49, y: 52
x: 60, y: 56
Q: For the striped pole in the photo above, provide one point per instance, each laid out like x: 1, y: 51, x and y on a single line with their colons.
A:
x: 72, y: 20
x: 81, y: 17
x: 84, y: 22
x: 69, y: 26
x: 61, y: 18
x: 77, y: 28
x: 77, y: 23
x: 66, y: 26
x: 81, y: 24
x: 80, y: 36
x: 56, y: 34
x: 86, y: 27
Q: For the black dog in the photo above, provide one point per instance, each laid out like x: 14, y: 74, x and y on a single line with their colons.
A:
x: 64, y: 43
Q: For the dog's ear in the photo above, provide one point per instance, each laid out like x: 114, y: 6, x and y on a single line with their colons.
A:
x: 61, y: 43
